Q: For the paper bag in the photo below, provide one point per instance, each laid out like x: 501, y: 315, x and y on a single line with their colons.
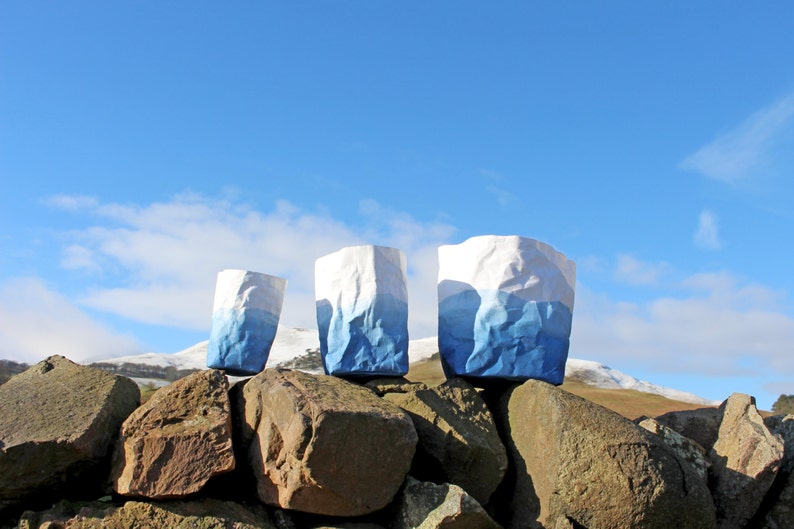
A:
x: 362, y: 311
x: 505, y: 306
x: 245, y: 318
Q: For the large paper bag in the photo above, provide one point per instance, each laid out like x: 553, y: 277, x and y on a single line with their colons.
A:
x: 505, y: 305
x: 362, y: 311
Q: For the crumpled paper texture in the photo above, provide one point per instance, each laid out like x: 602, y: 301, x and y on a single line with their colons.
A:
x: 505, y: 307
x: 245, y: 317
x: 362, y: 311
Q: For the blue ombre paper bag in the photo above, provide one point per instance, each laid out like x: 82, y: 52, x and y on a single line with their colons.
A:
x: 245, y: 318
x: 505, y: 305
x: 362, y: 311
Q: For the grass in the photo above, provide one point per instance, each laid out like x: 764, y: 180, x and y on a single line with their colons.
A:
x: 147, y: 390
x: 627, y: 402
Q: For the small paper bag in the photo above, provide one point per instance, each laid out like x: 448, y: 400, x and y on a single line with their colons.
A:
x: 245, y: 318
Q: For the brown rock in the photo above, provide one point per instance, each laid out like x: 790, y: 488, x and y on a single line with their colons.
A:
x: 458, y: 439
x: 58, y: 421
x: 700, y: 425
x: 575, y: 461
x: 172, y: 445
x: 685, y: 447
x: 203, y: 514
x: 745, y: 459
x: 384, y: 385
x: 323, y: 445
x: 424, y: 505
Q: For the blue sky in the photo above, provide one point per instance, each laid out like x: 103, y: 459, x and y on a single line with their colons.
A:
x: 146, y: 145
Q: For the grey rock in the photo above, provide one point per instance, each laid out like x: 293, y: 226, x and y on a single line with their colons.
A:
x: 58, y: 422
x: 780, y: 498
x: 745, y: 459
x: 458, y: 438
x: 576, y: 461
x: 424, y: 505
x: 685, y: 447
x: 171, y: 446
x: 323, y: 445
x: 701, y: 425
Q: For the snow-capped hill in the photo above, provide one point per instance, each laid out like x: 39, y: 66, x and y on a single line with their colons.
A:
x: 299, y: 349
x: 599, y: 375
x: 289, y: 344
x: 422, y: 349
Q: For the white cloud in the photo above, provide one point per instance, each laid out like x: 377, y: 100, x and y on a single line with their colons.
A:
x: 635, y: 272
x: 717, y: 329
x: 36, y: 322
x: 71, y: 202
x: 157, y: 263
x: 749, y: 148
x: 169, y: 254
x: 503, y: 197
x: 707, y: 234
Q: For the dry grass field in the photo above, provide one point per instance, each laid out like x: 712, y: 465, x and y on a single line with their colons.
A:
x: 629, y: 403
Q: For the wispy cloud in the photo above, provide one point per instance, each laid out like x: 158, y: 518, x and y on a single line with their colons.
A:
x: 169, y: 253
x: 495, y: 186
x: 707, y: 234
x: 70, y: 202
x: 714, y: 327
x: 36, y: 322
x: 749, y: 148
x: 635, y: 272
x: 156, y: 263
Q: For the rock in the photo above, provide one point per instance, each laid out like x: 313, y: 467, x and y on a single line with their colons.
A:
x: 384, y: 385
x: 783, y: 426
x: 779, y: 501
x: 424, y: 505
x: 780, y: 514
x: 745, y: 459
x: 58, y: 421
x: 458, y: 439
x: 685, y: 447
x: 575, y: 461
x: 324, y: 445
x: 700, y: 425
x: 172, y: 445
x: 204, y: 514
x: 349, y: 525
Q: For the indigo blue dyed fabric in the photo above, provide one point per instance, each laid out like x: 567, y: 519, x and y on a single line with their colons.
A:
x: 366, y: 338
x: 505, y: 307
x: 240, y: 340
x: 245, y: 316
x: 362, y: 311
x: 496, y: 335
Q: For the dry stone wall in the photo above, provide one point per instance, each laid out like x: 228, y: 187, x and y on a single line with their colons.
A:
x: 290, y: 450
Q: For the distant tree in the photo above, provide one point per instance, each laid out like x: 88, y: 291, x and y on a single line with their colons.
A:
x: 784, y: 405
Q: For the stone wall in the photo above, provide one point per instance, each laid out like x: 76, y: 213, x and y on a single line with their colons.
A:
x: 288, y: 449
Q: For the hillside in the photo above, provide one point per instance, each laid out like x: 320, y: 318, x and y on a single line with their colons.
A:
x: 297, y: 348
x: 631, y: 403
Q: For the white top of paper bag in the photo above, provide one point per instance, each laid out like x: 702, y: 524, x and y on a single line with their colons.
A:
x: 360, y: 272
x: 521, y: 266
x: 242, y: 289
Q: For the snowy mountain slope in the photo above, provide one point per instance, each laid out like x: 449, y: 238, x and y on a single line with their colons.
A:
x: 602, y: 376
x: 291, y: 343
